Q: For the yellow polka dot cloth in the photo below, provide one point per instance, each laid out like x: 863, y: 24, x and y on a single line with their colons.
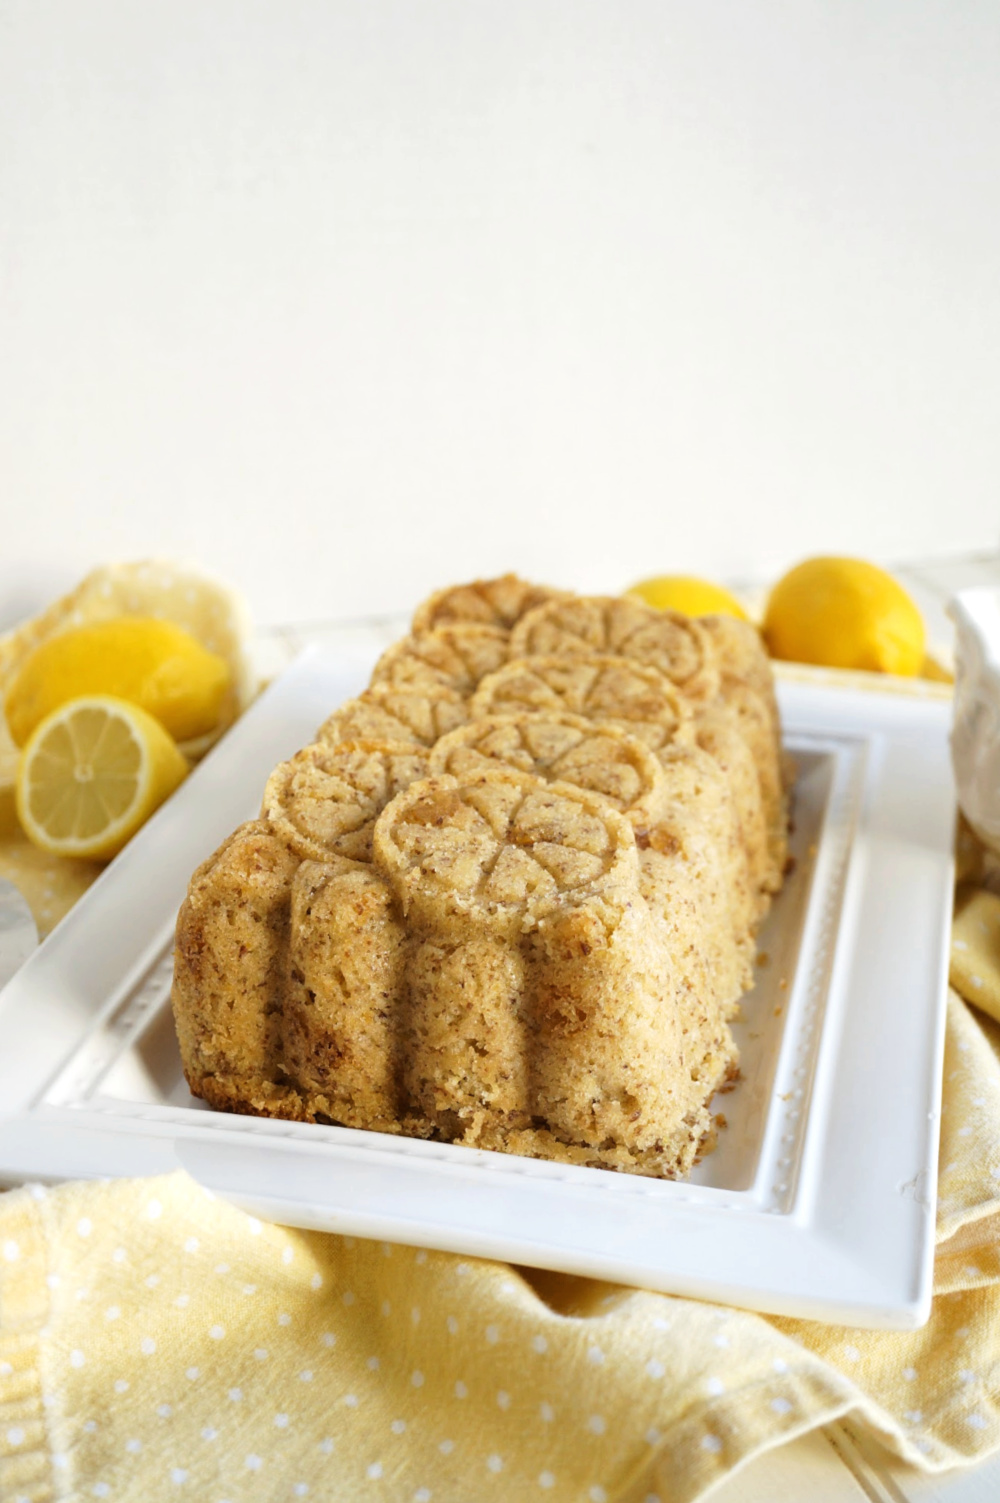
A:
x: 157, y: 1343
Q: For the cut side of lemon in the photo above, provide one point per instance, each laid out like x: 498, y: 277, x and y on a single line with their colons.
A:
x: 92, y: 773
x: 211, y: 612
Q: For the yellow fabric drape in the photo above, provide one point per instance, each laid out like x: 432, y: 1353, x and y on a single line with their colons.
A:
x: 154, y: 1339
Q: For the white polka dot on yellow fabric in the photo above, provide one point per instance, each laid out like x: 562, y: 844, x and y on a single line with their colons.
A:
x: 584, y: 1386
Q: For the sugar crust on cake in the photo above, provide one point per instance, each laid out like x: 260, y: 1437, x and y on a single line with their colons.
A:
x: 508, y: 898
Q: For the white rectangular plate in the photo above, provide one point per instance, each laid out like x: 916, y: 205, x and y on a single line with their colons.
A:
x: 819, y: 1199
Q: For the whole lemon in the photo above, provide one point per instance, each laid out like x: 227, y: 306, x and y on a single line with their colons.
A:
x: 844, y: 613
x: 688, y: 595
x: 151, y: 663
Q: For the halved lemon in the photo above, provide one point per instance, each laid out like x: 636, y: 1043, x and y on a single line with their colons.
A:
x: 92, y: 772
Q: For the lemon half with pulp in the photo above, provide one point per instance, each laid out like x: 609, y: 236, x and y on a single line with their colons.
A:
x: 92, y: 772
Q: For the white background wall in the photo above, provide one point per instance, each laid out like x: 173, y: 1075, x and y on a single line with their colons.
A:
x: 349, y: 298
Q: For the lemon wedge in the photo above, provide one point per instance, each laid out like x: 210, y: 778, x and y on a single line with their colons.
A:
x: 92, y: 772
x: 845, y: 613
x: 153, y: 664
x: 688, y: 595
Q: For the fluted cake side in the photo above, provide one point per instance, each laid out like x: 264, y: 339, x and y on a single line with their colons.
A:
x: 508, y: 898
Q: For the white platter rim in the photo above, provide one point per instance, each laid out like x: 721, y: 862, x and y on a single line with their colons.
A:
x: 795, y: 1236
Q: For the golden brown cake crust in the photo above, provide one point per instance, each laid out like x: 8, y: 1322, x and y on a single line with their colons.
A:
x: 508, y: 897
x: 324, y: 801
x: 491, y: 602
x: 387, y: 712
x: 566, y: 748
x: 603, y: 688
x: 455, y: 656
x: 229, y: 967
x: 678, y: 646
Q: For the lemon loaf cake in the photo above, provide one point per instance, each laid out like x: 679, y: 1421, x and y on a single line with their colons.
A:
x: 508, y: 898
